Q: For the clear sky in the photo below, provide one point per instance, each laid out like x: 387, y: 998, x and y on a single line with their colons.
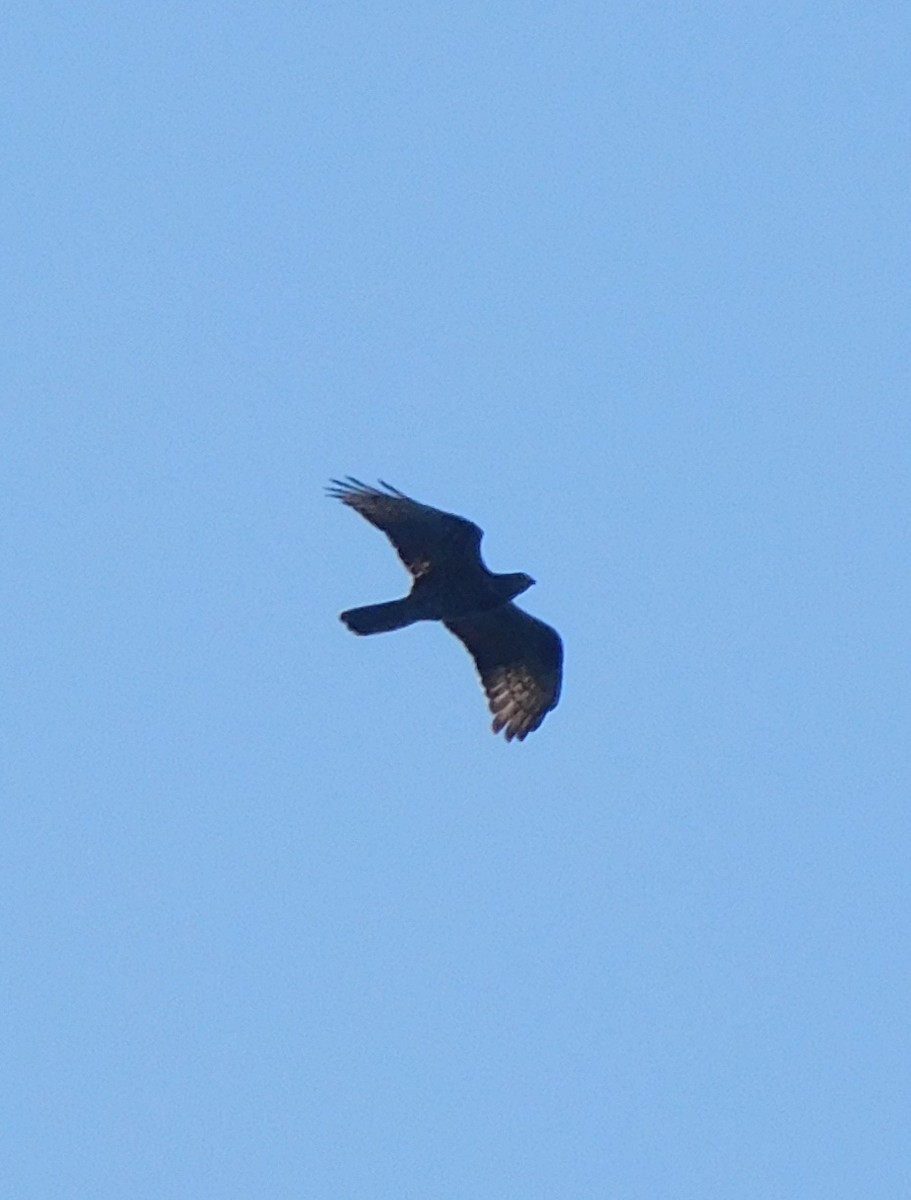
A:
x: 627, y: 284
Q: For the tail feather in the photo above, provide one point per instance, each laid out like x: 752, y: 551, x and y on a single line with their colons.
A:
x: 379, y: 618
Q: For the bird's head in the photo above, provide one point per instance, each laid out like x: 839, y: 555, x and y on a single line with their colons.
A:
x: 513, y: 585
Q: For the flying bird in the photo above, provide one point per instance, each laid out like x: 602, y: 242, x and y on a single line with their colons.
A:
x: 518, y: 657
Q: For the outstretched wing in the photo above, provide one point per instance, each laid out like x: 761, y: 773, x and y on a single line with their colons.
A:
x: 426, y: 538
x: 520, y: 661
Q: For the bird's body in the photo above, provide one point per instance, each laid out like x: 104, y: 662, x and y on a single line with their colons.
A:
x: 518, y: 657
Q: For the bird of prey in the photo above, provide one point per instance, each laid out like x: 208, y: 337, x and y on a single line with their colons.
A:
x: 518, y: 657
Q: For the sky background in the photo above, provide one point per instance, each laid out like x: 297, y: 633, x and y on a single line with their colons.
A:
x: 627, y: 284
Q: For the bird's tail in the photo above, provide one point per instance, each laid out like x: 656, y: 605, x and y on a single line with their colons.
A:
x: 379, y: 618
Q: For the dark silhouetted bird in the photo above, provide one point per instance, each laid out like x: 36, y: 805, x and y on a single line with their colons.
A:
x: 519, y: 658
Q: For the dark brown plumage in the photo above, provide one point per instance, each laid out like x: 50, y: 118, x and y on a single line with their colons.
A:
x: 519, y: 658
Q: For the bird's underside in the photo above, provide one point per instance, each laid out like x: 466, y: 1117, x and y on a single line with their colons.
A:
x: 518, y: 657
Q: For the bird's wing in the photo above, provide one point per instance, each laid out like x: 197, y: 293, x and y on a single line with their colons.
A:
x: 426, y: 538
x: 520, y: 661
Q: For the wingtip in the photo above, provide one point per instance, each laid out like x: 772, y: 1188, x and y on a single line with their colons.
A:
x: 341, y: 489
x: 393, y: 490
x: 349, y: 487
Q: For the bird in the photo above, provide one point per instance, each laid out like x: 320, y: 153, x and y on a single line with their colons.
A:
x: 519, y: 659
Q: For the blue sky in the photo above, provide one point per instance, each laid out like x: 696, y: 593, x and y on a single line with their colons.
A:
x: 627, y: 285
